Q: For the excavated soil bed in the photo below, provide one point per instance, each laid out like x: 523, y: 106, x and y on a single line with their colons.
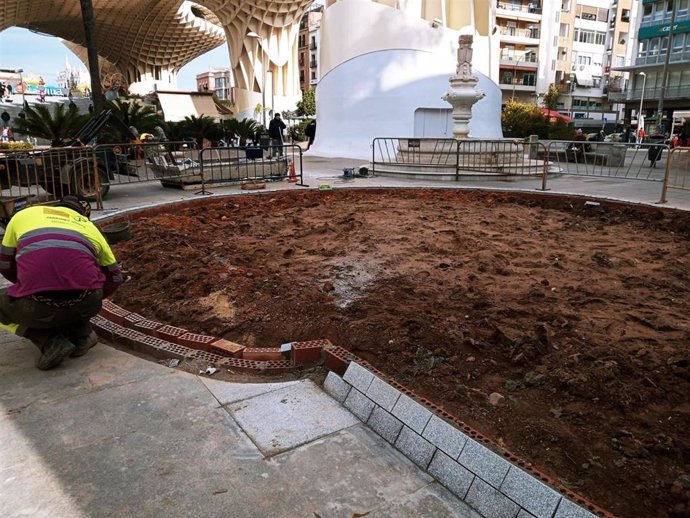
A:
x: 578, y: 315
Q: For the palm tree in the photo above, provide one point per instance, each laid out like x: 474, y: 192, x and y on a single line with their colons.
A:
x: 244, y: 129
x: 201, y: 128
x: 144, y: 118
x: 39, y: 122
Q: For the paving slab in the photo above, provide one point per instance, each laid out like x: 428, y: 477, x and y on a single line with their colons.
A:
x: 431, y: 501
x: 285, y: 418
x: 226, y: 392
x: 351, y: 471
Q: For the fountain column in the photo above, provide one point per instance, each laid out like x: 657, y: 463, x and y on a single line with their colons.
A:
x: 463, y: 91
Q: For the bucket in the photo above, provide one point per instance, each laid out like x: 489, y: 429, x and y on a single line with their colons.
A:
x: 117, y: 232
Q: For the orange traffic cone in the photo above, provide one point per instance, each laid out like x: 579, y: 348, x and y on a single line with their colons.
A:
x: 293, y: 175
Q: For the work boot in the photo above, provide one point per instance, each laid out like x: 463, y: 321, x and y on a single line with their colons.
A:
x: 55, y: 349
x: 83, y: 344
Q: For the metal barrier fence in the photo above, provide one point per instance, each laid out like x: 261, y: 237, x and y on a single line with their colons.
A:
x: 450, y: 158
x: 174, y: 164
x: 45, y: 176
x: 677, y: 173
x: 609, y: 159
x: 222, y: 165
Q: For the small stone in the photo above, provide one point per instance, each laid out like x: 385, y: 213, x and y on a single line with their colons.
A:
x: 470, y: 359
x: 496, y: 399
x: 513, y: 385
x: 328, y: 287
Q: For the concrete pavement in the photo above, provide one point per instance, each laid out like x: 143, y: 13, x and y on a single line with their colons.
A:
x: 110, y: 434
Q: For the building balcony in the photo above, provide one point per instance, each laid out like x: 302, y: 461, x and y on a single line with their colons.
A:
x: 524, y: 36
x: 313, y: 46
x: 672, y: 92
x: 658, y: 59
x: 517, y: 86
x: 312, y: 64
x: 529, y: 61
x: 529, y: 11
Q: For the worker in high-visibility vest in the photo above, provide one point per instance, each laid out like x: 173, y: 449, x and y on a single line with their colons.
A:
x: 61, y: 268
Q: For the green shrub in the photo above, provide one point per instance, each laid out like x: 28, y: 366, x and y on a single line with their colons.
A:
x: 296, y: 132
x: 15, y: 146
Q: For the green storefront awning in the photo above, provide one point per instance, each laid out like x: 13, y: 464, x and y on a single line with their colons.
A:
x: 649, y: 1
x: 663, y: 30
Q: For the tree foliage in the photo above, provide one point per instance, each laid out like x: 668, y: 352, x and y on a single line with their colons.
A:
x: 520, y: 120
x: 143, y: 117
x: 56, y: 126
x: 306, y: 107
x: 551, y: 98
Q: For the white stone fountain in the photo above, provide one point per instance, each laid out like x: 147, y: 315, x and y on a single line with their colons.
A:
x: 463, y: 93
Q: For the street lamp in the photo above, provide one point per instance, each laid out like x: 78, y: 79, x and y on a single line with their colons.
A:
x: 259, y: 41
x: 515, y: 76
x: 570, y: 95
x: 640, y: 120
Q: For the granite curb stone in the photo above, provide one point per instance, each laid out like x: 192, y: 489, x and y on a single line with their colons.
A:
x: 411, y: 413
x: 451, y: 474
x: 383, y: 394
x: 359, y: 404
x: 417, y: 449
x: 490, y: 502
x: 568, y: 509
x: 445, y: 436
x: 359, y: 377
x: 483, y: 462
x: 336, y: 387
x: 535, y: 496
x: 524, y: 514
x: 385, y: 424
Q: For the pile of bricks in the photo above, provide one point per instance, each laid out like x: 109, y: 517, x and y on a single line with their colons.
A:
x: 164, y: 341
x: 471, y: 466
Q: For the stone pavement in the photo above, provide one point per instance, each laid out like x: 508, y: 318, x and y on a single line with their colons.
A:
x: 111, y: 434
x: 319, y: 170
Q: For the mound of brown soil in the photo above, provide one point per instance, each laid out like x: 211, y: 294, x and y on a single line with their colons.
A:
x: 579, y: 316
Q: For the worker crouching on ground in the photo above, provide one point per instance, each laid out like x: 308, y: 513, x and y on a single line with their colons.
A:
x: 61, y: 268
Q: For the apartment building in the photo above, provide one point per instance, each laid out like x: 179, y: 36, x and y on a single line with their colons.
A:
x: 572, y: 44
x: 520, y: 33
x: 308, y: 48
x: 218, y: 81
x: 657, y: 70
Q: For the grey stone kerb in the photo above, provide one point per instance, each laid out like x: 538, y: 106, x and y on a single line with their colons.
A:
x: 485, y: 480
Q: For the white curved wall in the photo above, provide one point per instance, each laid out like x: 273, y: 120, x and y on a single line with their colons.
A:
x: 379, y: 65
x: 376, y: 95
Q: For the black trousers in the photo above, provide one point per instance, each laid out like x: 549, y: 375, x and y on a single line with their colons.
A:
x: 39, y: 321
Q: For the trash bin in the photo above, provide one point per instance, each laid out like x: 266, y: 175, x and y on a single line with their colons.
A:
x: 264, y: 140
x: 656, y: 149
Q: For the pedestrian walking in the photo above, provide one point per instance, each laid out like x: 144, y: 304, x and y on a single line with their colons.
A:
x: 275, y: 131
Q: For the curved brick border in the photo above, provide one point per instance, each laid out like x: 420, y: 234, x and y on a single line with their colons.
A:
x: 165, y: 341
x: 123, y: 327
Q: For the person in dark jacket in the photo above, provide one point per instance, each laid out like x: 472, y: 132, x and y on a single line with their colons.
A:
x: 275, y: 131
x: 61, y: 268
x: 310, y: 132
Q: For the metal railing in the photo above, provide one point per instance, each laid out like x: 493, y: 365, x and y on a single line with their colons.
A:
x: 622, y: 160
x: 174, y: 164
x: 458, y: 158
x: 223, y: 165
x: 45, y: 176
x: 677, y: 173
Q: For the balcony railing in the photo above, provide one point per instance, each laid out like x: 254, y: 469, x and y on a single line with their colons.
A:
x: 531, y: 8
x: 676, y: 57
x: 517, y: 58
x: 312, y: 46
x: 312, y: 64
x: 672, y: 92
x: 520, y: 33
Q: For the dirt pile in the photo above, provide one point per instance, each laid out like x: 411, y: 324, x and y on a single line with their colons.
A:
x: 579, y: 317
